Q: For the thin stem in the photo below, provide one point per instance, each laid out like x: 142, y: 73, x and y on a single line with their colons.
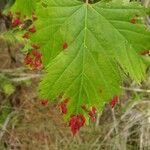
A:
x: 26, y: 78
x: 87, y: 1
x: 135, y: 89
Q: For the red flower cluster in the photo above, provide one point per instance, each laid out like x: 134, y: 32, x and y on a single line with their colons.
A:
x: 76, y: 122
x: 35, y: 46
x: 32, y: 29
x: 44, y: 102
x: 34, y: 59
x: 26, y: 36
x: 16, y: 22
x: 92, y: 114
x: 114, y: 101
x: 65, y: 45
x: 63, y: 106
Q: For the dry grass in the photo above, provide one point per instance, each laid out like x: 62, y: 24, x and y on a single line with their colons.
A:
x: 36, y: 127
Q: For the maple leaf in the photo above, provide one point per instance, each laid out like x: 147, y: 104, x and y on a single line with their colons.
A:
x: 103, y: 45
x: 26, y: 7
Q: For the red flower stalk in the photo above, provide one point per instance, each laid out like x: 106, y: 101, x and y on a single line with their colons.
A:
x: 35, y: 46
x: 76, y: 122
x: 32, y: 29
x: 34, y: 60
x: 133, y: 21
x: 114, y: 101
x: 65, y: 45
x: 26, y: 36
x: 63, y: 106
x: 16, y: 22
x: 92, y: 114
x: 44, y: 102
x: 37, y: 65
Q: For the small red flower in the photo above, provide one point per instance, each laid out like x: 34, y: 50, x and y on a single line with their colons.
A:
x: 65, y: 45
x: 28, y: 59
x: 37, y: 64
x: 37, y: 54
x: 133, y: 21
x: 114, y: 101
x: 76, y: 122
x: 32, y: 29
x: 44, y: 102
x: 92, y: 114
x: 16, y: 22
x: 63, y: 106
x: 26, y: 36
x: 34, y: 60
x: 35, y: 46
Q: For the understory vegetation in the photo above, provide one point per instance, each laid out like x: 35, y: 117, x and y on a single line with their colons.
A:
x: 63, y: 85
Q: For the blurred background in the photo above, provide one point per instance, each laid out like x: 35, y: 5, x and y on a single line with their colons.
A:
x: 26, y: 124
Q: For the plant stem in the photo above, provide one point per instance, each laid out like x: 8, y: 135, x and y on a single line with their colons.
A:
x: 87, y: 1
x: 4, y: 127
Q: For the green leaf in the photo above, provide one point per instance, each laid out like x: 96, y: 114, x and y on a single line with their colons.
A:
x: 8, y: 88
x: 103, y: 45
x: 6, y: 85
x: 26, y: 7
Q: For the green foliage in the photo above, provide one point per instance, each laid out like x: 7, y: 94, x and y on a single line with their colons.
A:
x: 6, y: 85
x: 11, y: 37
x: 103, y: 45
x: 8, y: 88
x: 26, y: 7
x: 4, y: 113
x: 8, y: 5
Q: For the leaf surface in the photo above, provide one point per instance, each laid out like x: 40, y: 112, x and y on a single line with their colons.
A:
x: 26, y: 7
x: 103, y: 45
